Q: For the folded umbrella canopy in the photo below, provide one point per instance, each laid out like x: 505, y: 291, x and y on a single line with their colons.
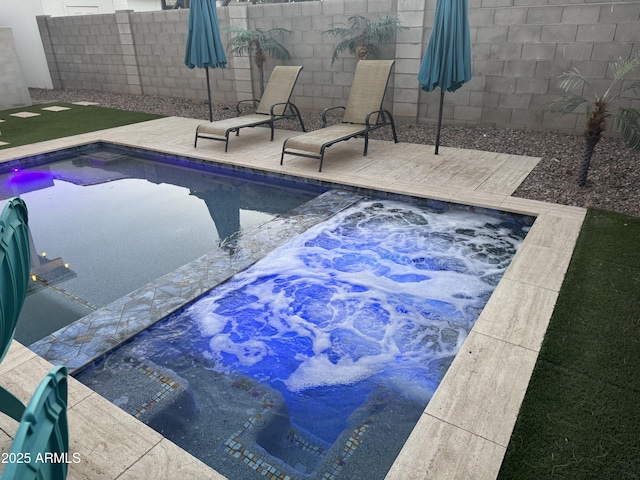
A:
x: 447, y: 61
x: 204, y: 47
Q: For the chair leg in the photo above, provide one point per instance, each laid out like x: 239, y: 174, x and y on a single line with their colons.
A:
x: 282, y: 154
x: 226, y: 143
x: 297, y: 112
x: 393, y: 129
x: 366, y: 143
x: 272, y: 128
x: 321, y: 158
x: 195, y: 143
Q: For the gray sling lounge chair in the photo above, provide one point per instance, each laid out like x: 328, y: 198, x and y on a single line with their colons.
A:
x: 274, y: 105
x: 362, y: 115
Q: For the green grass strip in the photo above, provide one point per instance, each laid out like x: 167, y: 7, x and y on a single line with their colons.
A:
x: 580, y: 418
x: 51, y: 125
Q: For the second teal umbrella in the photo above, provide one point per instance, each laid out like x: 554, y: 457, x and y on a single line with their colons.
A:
x: 447, y: 61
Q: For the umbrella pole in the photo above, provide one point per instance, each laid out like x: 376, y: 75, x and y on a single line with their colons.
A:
x: 206, y: 69
x: 439, y: 120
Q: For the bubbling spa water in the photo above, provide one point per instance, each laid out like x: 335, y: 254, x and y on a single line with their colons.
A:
x: 347, y: 327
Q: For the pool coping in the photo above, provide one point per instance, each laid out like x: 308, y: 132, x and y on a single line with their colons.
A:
x: 466, y: 427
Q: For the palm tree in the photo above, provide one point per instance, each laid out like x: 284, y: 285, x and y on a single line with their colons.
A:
x: 626, y: 120
x: 259, y: 44
x: 361, y: 36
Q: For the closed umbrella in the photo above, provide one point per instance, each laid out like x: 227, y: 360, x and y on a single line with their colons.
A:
x: 204, y: 47
x: 447, y: 61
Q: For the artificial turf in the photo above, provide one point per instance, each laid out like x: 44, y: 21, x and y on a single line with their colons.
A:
x: 51, y: 125
x: 580, y: 418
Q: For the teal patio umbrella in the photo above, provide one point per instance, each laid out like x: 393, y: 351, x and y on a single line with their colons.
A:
x: 447, y: 61
x: 204, y: 47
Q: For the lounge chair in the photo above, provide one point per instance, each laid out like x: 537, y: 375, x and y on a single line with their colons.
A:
x: 14, y: 278
x: 362, y: 115
x: 274, y: 105
x: 40, y: 448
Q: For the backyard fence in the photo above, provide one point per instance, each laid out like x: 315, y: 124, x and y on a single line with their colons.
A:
x: 519, y: 47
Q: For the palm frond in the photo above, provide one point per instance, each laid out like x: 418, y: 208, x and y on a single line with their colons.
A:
x: 272, y: 33
x: 348, y: 45
x: 563, y: 106
x: 628, y: 122
x: 372, y: 48
x: 373, y: 32
x: 631, y: 87
x: 622, y: 67
x: 338, y: 31
x: 237, y: 31
x: 239, y: 44
x: 238, y: 48
x: 573, y: 79
x: 358, y: 23
x: 242, y: 42
x: 276, y: 50
x: 356, y: 26
x: 383, y: 29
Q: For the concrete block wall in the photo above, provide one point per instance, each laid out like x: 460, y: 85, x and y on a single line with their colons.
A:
x: 519, y: 47
x: 90, y: 52
x: 321, y: 84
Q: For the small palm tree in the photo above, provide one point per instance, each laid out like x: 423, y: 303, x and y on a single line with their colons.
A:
x: 259, y: 44
x: 626, y: 120
x: 361, y: 36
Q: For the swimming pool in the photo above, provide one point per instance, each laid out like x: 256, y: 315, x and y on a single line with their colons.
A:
x: 471, y: 414
x: 106, y: 221
x: 317, y: 361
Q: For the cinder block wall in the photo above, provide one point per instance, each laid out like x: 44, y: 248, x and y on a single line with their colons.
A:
x: 519, y: 47
x: 89, y: 52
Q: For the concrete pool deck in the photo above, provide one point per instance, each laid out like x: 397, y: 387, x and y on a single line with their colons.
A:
x: 466, y: 427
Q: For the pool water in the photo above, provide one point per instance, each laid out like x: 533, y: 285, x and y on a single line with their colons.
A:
x: 106, y: 220
x: 317, y: 361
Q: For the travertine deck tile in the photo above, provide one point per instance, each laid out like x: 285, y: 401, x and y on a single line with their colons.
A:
x: 480, y: 166
x: 509, y: 176
x: 484, y: 387
x: 166, y: 460
x: 536, y: 207
x: 479, y: 199
x: 540, y: 266
x: 439, y: 450
x: 556, y: 231
x: 17, y: 355
x: 517, y: 313
x: 23, y: 380
x: 108, y: 451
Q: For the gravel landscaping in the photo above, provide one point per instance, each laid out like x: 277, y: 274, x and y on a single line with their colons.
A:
x: 613, y: 180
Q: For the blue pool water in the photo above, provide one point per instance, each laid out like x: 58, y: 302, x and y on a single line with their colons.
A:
x: 317, y: 361
x: 106, y: 220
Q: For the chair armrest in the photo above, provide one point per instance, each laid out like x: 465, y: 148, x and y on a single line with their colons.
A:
x: 381, y: 113
x: 286, y: 104
x: 238, y: 105
x: 327, y: 110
